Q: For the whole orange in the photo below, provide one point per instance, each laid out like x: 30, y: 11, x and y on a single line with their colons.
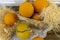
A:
x: 10, y: 18
x: 37, y: 38
x: 26, y: 9
x: 40, y: 4
x: 36, y: 16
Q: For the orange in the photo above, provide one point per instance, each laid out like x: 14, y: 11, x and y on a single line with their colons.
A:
x: 36, y: 16
x: 40, y: 4
x: 10, y: 18
x: 26, y: 9
x: 38, y: 38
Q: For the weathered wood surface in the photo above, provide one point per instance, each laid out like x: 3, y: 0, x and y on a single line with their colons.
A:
x: 52, y: 36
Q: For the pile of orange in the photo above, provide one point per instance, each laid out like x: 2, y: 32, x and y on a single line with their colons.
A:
x: 27, y: 9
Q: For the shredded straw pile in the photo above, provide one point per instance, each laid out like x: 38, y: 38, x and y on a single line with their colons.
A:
x: 51, y: 16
